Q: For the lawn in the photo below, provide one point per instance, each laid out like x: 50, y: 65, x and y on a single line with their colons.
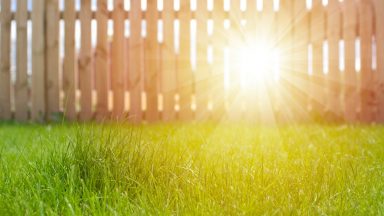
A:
x: 188, y: 169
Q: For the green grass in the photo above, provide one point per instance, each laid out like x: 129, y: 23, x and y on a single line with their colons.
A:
x: 201, y: 169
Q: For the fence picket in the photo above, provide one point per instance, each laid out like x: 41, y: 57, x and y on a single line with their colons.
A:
x: 101, y: 61
x: 168, y: 78
x: 151, y: 62
x: 366, y: 75
x: 334, y: 76
x: 5, y: 61
x: 69, y: 66
x: 135, y: 64
x: 185, y: 76
x: 52, y: 58
x: 85, y: 61
x: 38, y: 61
x: 117, y: 60
x: 350, y: 78
x: 379, y: 20
x: 300, y: 77
x: 318, y: 99
x: 21, y: 86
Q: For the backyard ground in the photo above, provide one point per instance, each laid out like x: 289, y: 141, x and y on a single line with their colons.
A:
x: 202, y: 169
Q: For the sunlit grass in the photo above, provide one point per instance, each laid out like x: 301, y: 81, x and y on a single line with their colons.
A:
x: 191, y: 169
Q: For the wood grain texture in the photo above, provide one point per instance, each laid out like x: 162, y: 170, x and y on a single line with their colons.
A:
x: 318, y: 99
x: 52, y: 58
x: 168, y: 76
x: 70, y: 63
x: 102, y: 71
x: 185, y: 76
x: 379, y: 21
x: 5, y: 61
x: 334, y: 75
x: 349, y: 75
x: 21, y: 86
x: 202, y: 67
x: 38, y: 112
x: 85, y: 62
x: 366, y: 75
x: 118, y: 60
x: 152, y: 62
x: 135, y: 64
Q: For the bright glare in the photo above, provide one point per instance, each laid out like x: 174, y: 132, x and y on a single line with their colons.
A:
x: 259, y: 64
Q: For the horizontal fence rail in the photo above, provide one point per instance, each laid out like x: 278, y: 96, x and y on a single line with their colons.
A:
x: 261, y: 61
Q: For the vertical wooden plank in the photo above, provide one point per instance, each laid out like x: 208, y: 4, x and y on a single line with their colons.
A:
x: 101, y: 61
x: 334, y: 82
x: 135, y: 77
x: 5, y: 61
x: 300, y: 76
x: 318, y: 99
x: 235, y: 98
x: 169, y: 82
x: 69, y: 65
x: 349, y: 75
x: 117, y: 60
x: 21, y: 87
x: 151, y: 61
x: 217, y: 81
x: 38, y: 112
x: 185, y: 76
x: 366, y: 75
x: 284, y: 38
x: 202, y: 67
x: 85, y: 61
x: 52, y: 58
x: 379, y: 21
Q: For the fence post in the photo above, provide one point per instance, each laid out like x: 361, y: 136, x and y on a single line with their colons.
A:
x: 38, y: 112
x: 5, y: 61
x: 379, y: 20
x: 52, y: 58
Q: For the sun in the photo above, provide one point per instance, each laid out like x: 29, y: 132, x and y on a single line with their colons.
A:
x: 258, y: 63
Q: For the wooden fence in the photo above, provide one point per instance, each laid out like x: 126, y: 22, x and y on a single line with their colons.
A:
x: 176, y: 60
